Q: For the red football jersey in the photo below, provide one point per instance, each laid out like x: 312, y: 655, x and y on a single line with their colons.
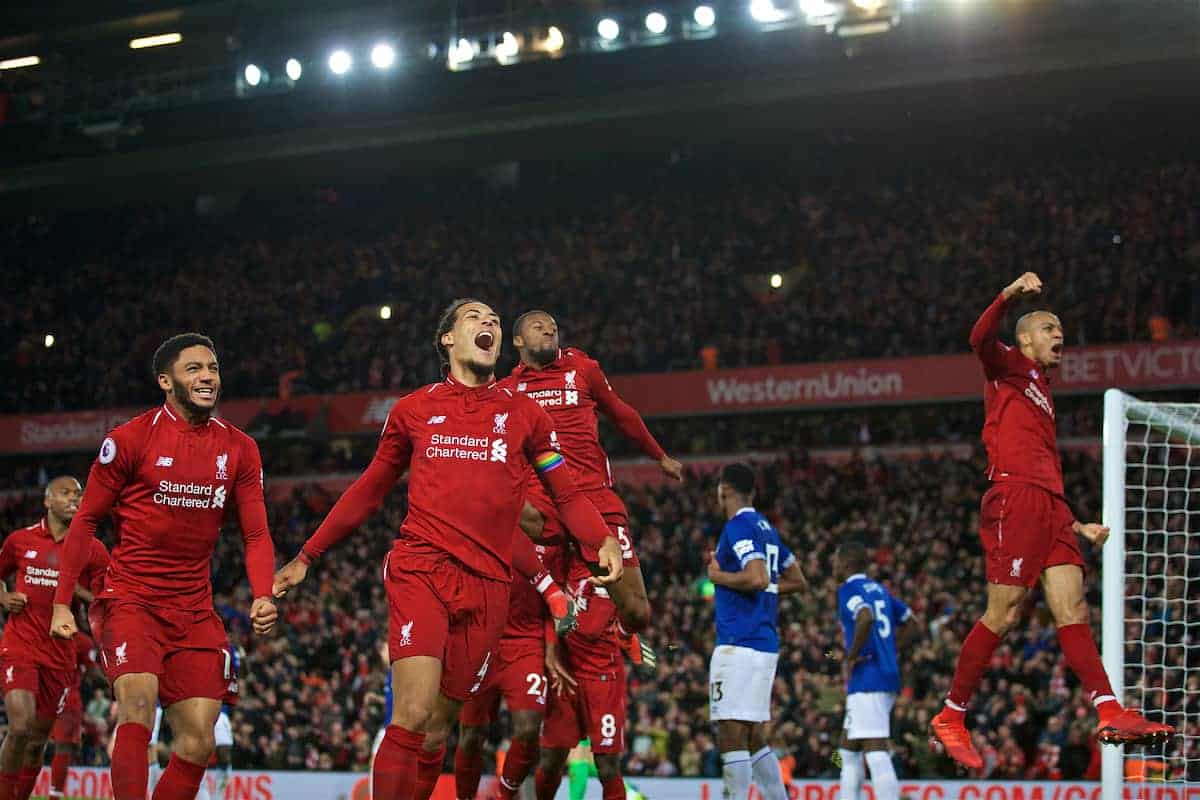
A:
x: 572, y: 389
x: 1018, y: 430
x: 592, y: 649
x: 168, y: 485
x: 36, y: 559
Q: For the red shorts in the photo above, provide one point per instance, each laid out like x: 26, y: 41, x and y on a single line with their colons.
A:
x: 187, y: 650
x: 616, y: 516
x: 439, y: 608
x: 1025, y: 529
x: 519, y: 677
x: 51, y: 688
x: 68, y: 728
x: 596, y: 710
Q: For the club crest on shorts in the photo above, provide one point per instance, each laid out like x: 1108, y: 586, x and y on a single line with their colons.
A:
x: 500, y: 420
x: 406, y: 634
x: 222, y: 461
x: 1016, y: 568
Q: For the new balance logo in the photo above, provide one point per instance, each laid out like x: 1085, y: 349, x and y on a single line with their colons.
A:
x: 606, y: 741
x: 500, y: 451
x: 119, y: 652
x: 31, y: 553
x: 1015, y: 572
x: 522, y: 387
x: 438, y: 420
x: 164, y: 461
x: 500, y: 421
x: 406, y: 634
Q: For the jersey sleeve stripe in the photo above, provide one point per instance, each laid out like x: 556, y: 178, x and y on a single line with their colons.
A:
x: 548, y: 461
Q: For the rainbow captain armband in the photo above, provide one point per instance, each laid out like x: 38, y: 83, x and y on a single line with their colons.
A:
x: 548, y: 461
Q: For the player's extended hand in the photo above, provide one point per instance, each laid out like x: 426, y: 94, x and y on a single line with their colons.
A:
x: 609, y: 560
x: 1094, y: 532
x: 1029, y: 283
x: 671, y: 468
x: 714, y: 567
x: 62, y: 622
x: 263, y: 615
x: 560, y: 679
x: 289, y: 575
x: 12, y: 602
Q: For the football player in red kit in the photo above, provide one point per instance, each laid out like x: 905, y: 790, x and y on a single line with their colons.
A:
x: 36, y: 670
x: 68, y: 728
x: 1028, y: 530
x: 572, y: 389
x: 168, y: 477
x: 588, y: 700
x: 468, y: 445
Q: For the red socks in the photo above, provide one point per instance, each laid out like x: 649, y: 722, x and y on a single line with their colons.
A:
x: 467, y: 768
x: 180, y: 780
x: 520, y: 759
x: 58, y: 770
x: 547, y: 785
x: 973, y: 660
x: 1079, y: 649
x: 26, y: 778
x: 394, y: 776
x: 130, y: 770
x: 613, y: 788
x: 429, y: 769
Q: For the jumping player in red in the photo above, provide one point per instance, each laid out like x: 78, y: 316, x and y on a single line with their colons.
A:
x: 38, y: 672
x: 587, y: 671
x: 468, y: 445
x: 67, y: 733
x: 1027, y: 528
x: 168, y: 477
x: 520, y: 678
x: 573, y: 389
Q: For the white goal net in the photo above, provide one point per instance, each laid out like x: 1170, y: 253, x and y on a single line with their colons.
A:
x: 1151, y: 584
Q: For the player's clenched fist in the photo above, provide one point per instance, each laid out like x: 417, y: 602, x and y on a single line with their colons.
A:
x: 291, y: 574
x: 1029, y: 283
x: 263, y: 615
x: 62, y: 622
x: 12, y: 602
x: 610, y: 560
x: 1094, y: 532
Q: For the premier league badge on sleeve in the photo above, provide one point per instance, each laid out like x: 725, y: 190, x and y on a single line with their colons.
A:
x: 108, y: 450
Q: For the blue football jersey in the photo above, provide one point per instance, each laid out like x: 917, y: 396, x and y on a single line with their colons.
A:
x: 878, y: 669
x: 750, y: 619
x: 387, y: 698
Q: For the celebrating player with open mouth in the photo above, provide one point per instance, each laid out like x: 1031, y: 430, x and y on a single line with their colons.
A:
x: 467, y: 444
x: 1027, y: 528
x: 167, y: 477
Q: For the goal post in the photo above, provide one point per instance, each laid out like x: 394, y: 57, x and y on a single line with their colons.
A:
x: 1151, y: 505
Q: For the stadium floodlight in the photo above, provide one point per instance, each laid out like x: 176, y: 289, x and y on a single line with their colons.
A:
x: 508, y: 48
x: 869, y: 6
x: 49, y: 340
x: 656, y: 23
x: 608, y: 29
x: 776, y: 281
x: 383, y: 55
x: 461, y: 52
x: 817, y: 9
x: 158, y: 40
x: 17, y: 63
x: 252, y: 74
x: 554, y: 41
x: 385, y: 312
x: 764, y: 11
x: 340, y: 62
x: 294, y: 69
x: 704, y: 16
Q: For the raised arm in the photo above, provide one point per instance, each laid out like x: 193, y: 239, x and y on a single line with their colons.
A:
x: 628, y: 421
x: 996, y: 356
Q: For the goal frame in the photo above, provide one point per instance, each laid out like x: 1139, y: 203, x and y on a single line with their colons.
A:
x: 1119, y: 410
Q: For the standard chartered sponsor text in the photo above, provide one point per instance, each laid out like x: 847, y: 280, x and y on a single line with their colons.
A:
x: 834, y: 385
x: 41, y: 576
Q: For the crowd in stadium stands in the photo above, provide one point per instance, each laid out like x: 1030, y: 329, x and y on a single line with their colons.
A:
x: 662, y: 269
x: 312, y: 693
